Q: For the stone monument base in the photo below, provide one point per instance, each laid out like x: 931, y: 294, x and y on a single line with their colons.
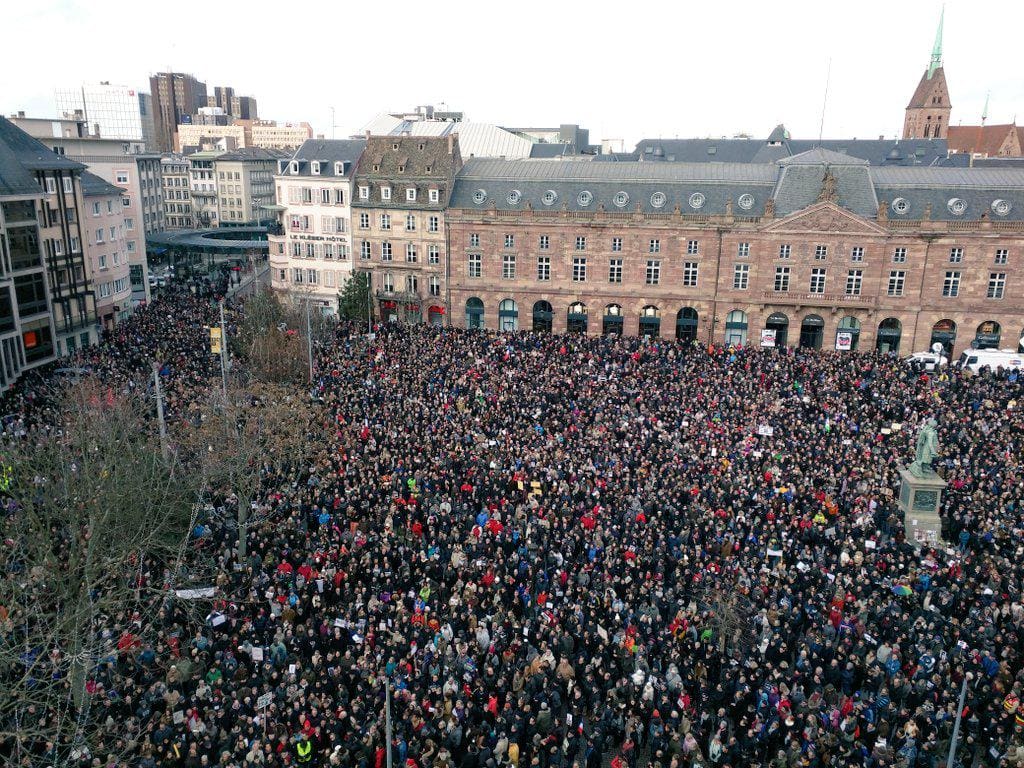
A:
x: 919, y: 500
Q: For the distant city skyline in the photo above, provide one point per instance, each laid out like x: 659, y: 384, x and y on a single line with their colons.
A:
x: 647, y: 72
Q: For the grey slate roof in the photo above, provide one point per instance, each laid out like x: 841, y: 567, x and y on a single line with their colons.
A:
x: 20, y: 155
x: 875, y: 151
x: 795, y: 183
x: 328, y: 152
x: 604, y: 181
x: 252, y: 153
x: 94, y: 186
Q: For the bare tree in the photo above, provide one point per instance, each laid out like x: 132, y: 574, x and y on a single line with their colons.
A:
x: 730, y: 615
x: 91, y: 510
x: 264, y: 428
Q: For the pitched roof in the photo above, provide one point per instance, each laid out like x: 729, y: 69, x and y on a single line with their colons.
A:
x: 384, y: 155
x: 94, y: 186
x: 875, y: 151
x: 252, y: 153
x: 925, y: 88
x: 981, y: 139
x: 822, y: 156
x: 20, y: 155
x: 327, y: 153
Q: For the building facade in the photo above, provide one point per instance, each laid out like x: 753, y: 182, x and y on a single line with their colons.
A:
x: 177, y: 197
x: 106, y: 257
x: 176, y: 97
x: 311, y: 247
x: 402, y: 188
x: 111, y: 111
x: 203, y: 188
x: 817, y: 250
x: 269, y: 135
x: 47, y: 307
x: 120, y: 162
x: 245, y: 185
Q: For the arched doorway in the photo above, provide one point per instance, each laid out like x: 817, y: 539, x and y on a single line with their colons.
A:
x: 736, y: 328
x: 612, y: 321
x: 508, y: 315
x: 812, y: 329
x: 889, y: 332
x: 474, y: 313
x: 779, y: 323
x: 848, y: 334
x: 576, y: 318
x: 944, y: 333
x: 542, y: 315
x: 686, y: 324
x: 435, y: 315
x: 987, y: 336
x: 650, y: 321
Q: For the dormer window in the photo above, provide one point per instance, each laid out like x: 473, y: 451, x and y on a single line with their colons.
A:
x: 315, y: 168
x: 376, y: 168
x: 364, y: 193
x: 293, y: 168
x: 428, y: 169
x: 339, y: 169
x: 395, y: 145
x: 385, y: 193
x: 410, y: 194
x: 434, y: 195
x: 401, y: 169
x: 422, y: 146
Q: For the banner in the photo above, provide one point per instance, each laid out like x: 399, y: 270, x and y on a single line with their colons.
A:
x: 215, y: 340
x: 844, y: 341
x: 768, y: 337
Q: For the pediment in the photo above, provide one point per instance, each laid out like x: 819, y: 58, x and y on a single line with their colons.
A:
x: 825, y: 217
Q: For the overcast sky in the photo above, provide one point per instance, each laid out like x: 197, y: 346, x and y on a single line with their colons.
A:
x: 623, y: 70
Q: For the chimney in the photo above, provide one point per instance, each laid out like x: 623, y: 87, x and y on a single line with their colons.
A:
x: 451, y: 144
x: 367, y: 134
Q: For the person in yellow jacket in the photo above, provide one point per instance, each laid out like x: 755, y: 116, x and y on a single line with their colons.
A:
x: 304, y: 751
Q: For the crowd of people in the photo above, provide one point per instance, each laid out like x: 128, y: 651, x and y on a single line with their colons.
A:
x: 554, y: 551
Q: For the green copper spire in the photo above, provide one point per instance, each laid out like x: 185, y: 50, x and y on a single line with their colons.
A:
x: 937, y: 48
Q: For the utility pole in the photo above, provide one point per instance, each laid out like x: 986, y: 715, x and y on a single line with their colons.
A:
x: 387, y: 716
x: 160, y: 411
x: 369, y: 306
x: 956, y: 725
x: 223, y: 354
x: 309, y: 342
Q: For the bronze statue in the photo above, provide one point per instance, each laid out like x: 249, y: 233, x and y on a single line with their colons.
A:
x: 927, y: 450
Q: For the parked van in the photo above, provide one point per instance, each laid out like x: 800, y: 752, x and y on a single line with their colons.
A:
x: 926, y: 361
x: 976, y: 359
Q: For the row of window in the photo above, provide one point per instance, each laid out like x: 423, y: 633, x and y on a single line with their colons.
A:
x: 117, y: 286
x: 313, y: 195
x: 412, y: 284
x: 329, y: 225
x: 433, y: 195
x: 411, y: 252
x: 320, y: 250
x: 899, y: 256
x: 433, y: 222
x: 741, y: 276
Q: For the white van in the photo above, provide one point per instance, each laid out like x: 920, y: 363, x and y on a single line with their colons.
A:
x: 975, y: 359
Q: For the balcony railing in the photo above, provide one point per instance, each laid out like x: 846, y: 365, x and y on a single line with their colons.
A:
x: 403, y: 296
x: 789, y: 297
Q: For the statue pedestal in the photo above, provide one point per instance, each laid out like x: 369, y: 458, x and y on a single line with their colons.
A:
x: 919, y: 500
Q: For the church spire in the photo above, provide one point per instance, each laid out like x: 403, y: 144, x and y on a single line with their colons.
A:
x: 937, y: 48
x: 984, y: 112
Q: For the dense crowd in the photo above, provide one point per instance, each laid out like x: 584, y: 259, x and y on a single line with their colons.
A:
x: 558, y: 551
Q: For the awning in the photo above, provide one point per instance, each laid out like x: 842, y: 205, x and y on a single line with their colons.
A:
x: 436, y: 310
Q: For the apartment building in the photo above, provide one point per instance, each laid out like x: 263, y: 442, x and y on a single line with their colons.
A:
x: 310, y: 248
x: 245, y: 185
x: 106, y: 255
x: 177, y: 197
x: 117, y: 162
x: 47, y: 307
x: 203, y: 188
x: 403, y: 185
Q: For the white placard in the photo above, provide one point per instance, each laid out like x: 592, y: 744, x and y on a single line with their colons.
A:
x: 844, y: 341
x: 766, y: 430
x: 257, y: 654
x: 869, y: 544
x: 264, y: 701
x: 768, y: 337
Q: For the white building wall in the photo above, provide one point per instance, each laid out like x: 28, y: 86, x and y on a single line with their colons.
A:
x: 314, y: 255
